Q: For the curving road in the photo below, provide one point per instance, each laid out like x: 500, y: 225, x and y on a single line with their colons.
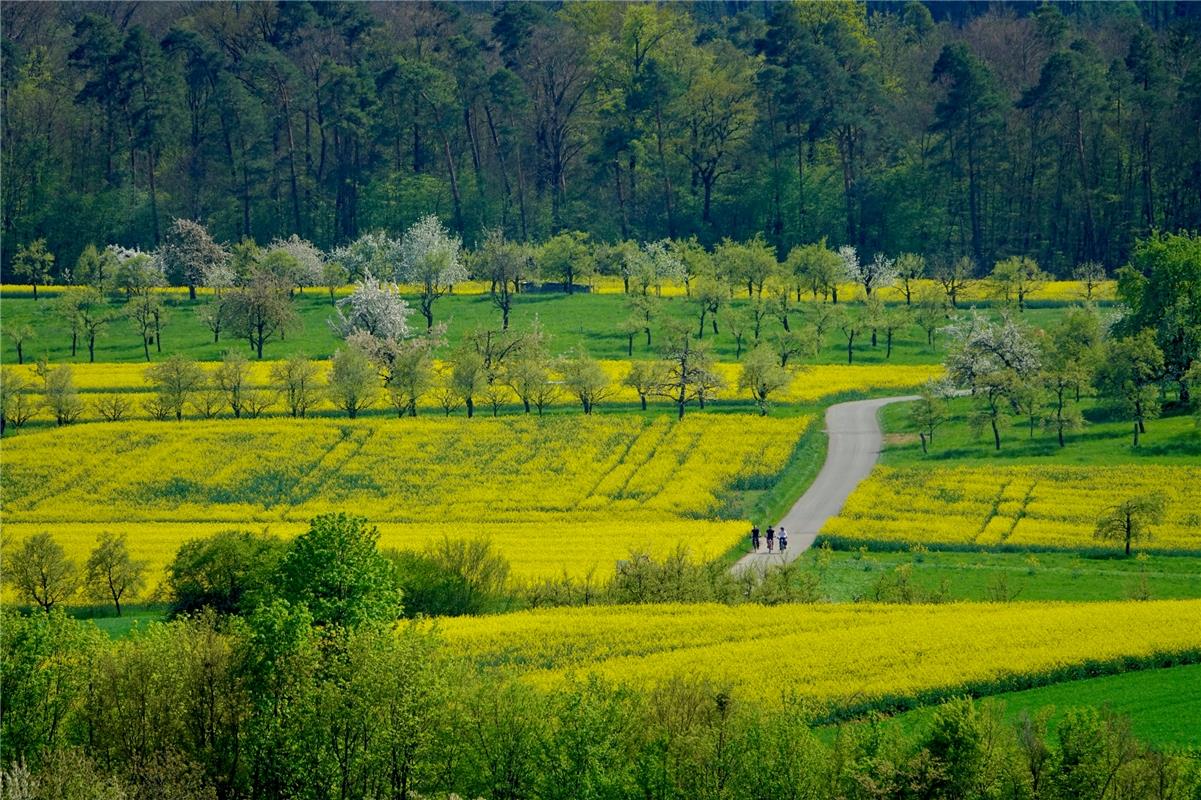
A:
x: 855, y: 440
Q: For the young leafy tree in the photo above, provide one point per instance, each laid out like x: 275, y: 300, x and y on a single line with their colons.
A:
x: 643, y: 378
x: 1130, y: 374
x: 59, y: 394
x: 20, y: 334
x: 209, y: 397
x: 96, y: 267
x: 890, y: 322
x: 431, y: 259
x: 687, y: 373
x: 65, y: 308
x: 930, y: 314
x: 762, y: 376
x: 1130, y: 520
x: 261, y: 310
x: 333, y: 277
x: 34, y: 263
x: 232, y: 377
x: 740, y: 325
x: 353, y: 381
x: 1162, y: 289
x: 111, y: 573
x: 174, y: 381
x: 92, y: 311
x: 529, y: 378
x: 568, y: 257
x: 504, y: 263
x: 336, y: 570
x: 851, y: 325
x: 41, y: 571
x: 791, y: 344
x: 145, y: 310
x: 645, y: 310
x: 1015, y: 279
x: 910, y: 269
x: 584, y: 377
x: 750, y: 264
x: 955, y: 276
x: 214, y: 315
x: 817, y: 269
x: 406, y: 366
x: 1092, y: 274
x: 17, y: 402
x: 709, y: 297
x: 298, y: 380
x: 928, y: 412
x: 113, y: 407
x: 230, y: 572
x: 136, y: 271
x: 470, y: 377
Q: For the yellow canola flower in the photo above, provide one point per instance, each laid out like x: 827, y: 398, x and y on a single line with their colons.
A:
x: 559, y: 494
x: 1048, y: 506
x: 837, y: 656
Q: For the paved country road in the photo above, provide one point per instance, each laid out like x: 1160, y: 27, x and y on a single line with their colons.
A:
x: 854, y: 445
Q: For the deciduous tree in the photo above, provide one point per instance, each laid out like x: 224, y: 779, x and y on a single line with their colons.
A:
x: 1130, y: 520
x: 111, y: 573
x: 762, y: 376
x: 41, y: 571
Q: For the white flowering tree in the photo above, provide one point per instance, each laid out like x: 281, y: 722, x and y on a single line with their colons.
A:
x: 659, y: 263
x: 881, y: 271
x: 373, y: 253
x: 997, y: 361
x: 191, y: 258
x: 309, y: 269
x: 432, y: 260
x: 373, y: 308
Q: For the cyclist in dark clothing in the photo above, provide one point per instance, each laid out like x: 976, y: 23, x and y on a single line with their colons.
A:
x: 755, y: 538
x: 771, y: 537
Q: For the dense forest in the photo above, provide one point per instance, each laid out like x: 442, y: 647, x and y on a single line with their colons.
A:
x: 1059, y: 131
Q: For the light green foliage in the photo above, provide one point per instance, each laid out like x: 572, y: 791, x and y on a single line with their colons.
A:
x: 336, y: 570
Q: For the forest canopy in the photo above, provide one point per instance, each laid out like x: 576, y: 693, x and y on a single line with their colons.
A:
x: 1062, y: 132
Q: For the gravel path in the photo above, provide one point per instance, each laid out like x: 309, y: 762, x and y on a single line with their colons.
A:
x: 855, y: 440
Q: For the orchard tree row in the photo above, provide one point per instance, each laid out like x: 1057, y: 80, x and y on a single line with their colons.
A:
x: 1134, y: 360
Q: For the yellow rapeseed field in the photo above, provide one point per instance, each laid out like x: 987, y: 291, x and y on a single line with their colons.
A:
x: 1051, y: 506
x: 836, y: 656
x: 811, y: 383
x: 565, y: 493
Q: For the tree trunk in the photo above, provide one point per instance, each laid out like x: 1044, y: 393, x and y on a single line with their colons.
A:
x: 470, y: 408
x: 996, y: 434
